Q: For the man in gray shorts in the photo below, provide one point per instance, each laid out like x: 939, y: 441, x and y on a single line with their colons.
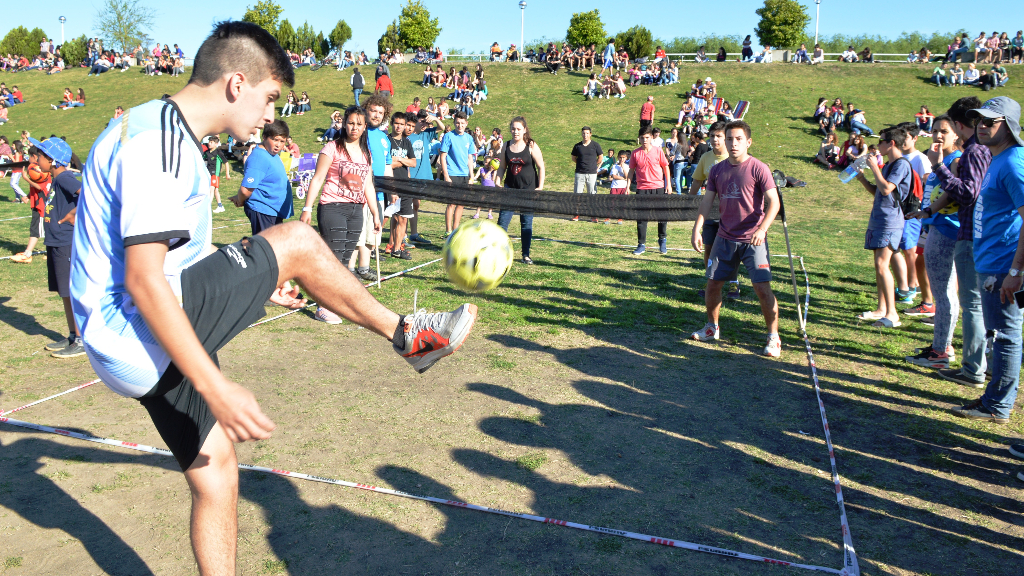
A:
x: 748, y: 201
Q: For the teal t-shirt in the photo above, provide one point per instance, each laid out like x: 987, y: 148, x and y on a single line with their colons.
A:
x: 459, y: 148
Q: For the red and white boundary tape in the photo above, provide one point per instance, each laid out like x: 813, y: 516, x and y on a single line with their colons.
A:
x: 454, y: 503
x: 86, y: 385
x: 18, y: 218
x: 851, y: 566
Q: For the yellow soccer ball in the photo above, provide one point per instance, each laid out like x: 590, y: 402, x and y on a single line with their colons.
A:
x: 477, y: 256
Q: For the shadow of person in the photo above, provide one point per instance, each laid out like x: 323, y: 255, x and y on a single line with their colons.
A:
x: 24, y: 323
x: 41, y: 501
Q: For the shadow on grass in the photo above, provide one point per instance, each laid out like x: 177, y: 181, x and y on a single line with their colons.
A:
x: 24, y: 323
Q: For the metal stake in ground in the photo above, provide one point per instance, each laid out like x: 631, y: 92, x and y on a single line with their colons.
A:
x: 780, y: 183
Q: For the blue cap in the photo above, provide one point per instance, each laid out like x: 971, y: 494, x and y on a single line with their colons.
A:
x: 55, y: 149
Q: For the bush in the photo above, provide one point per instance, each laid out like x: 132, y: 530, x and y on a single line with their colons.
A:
x: 74, y: 51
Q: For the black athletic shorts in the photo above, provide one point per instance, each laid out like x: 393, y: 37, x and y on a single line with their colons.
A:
x: 260, y: 221
x: 58, y: 269
x: 35, y: 228
x: 222, y: 295
x: 405, y: 209
x: 708, y: 233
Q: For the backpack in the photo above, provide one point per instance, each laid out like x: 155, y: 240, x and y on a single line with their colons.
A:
x: 912, y: 202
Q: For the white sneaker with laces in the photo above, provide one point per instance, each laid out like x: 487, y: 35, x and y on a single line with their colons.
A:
x: 325, y: 315
x: 774, y: 347
x: 709, y: 333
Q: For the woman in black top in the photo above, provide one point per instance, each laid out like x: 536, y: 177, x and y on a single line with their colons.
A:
x: 522, y: 166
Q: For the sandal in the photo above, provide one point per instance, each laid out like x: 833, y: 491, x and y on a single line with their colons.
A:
x: 886, y: 323
x: 870, y: 315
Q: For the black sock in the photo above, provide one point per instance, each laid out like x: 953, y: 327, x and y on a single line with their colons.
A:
x: 399, y: 338
x: 527, y: 236
x: 72, y: 337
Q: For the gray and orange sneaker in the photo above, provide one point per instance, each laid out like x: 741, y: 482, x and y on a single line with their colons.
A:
x: 22, y: 258
x: 709, y: 333
x: 432, y: 336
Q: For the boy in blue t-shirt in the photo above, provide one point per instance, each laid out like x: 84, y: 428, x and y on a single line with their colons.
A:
x: 421, y: 134
x: 266, y: 193
x: 999, y: 254
x: 456, y: 149
x: 59, y: 227
x: 885, y: 225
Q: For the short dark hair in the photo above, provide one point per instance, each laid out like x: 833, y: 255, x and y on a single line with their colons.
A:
x: 460, y: 115
x: 958, y: 111
x: 422, y: 114
x: 236, y: 46
x: 587, y: 128
x: 911, y: 128
x: 738, y: 124
x: 398, y: 116
x: 410, y: 117
x: 716, y: 127
x: 894, y: 134
x: 644, y: 130
x: 276, y: 128
x: 656, y: 131
x: 941, y: 118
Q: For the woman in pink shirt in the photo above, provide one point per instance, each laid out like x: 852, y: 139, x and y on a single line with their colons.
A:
x: 344, y: 172
x: 649, y: 165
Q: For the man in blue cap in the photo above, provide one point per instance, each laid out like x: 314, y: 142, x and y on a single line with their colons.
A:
x: 999, y: 254
x: 59, y: 227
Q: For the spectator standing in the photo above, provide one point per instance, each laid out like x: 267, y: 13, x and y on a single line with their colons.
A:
x: 266, y: 193
x: 423, y: 133
x: 522, y: 166
x: 962, y: 189
x: 403, y: 158
x: 456, y: 165
x: 378, y: 110
x: 59, y: 229
x: 885, y: 224
x: 650, y: 168
x: 999, y: 254
x: 384, y: 85
x: 586, y: 155
x: 647, y: 113
x: 357, y: 83
x: 749, y: 202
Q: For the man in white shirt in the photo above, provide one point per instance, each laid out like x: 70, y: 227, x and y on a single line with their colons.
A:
x: 850, y: 55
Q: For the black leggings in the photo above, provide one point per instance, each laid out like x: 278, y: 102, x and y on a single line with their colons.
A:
x: 340, y: 225
x: 641, y: 225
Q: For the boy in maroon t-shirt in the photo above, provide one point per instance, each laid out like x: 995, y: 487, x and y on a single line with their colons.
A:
x: 646, y: 114
x: 748, y: 201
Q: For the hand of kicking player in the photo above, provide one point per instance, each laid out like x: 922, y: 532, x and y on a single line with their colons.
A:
x: 288, y: 296
x: 238, y: 413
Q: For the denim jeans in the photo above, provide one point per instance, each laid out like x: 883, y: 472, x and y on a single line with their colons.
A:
x: 858, y: 127
x: 357, y: 92
x: 938, y: 259
x: 677, y: 175
x: 1005, y: 321
x: 939, y: 80
x: 973, y: 358
x: 525, y: 227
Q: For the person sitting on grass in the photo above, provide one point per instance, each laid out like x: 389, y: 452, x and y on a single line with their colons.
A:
x: 849, y: 55
x: 818, y: 56
x: 972, y: 76
x: 68, y: 97
x: 801, y: 56
x: 748, y: 202
x: 924, y: 119
x: 858, y: 123
x: 828, y: 153
x: 956, y: 75
x: 78, y: 102
x: 885, y: 224
x: 939, y: 75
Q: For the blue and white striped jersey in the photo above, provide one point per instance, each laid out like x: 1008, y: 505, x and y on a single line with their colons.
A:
x: 145, y: 181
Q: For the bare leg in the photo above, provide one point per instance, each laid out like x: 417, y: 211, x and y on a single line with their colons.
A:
x: 910, y: 259
x: 713, y: 299
x: 70, y: 316
x: 213, y: 480
x: 452, y: 218
x: 884, y: 282
x: 414, y: 227
x: 769, y: 305
x: 302, y: 255
x: 364, y: 256
x: 216, y: 192
x: 922, y: 278
x: 398, y: 232
x: 31, y: 245
x: 899, y: 269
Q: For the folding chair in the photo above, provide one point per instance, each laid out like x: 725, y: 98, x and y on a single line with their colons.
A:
x: 741, y: 109
x: 716, y: 105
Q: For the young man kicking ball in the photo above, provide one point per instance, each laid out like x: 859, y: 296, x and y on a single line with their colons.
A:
x: 748, y: 202
x: 155, y: 300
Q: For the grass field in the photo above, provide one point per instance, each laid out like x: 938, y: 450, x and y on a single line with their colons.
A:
x: 577, y: 397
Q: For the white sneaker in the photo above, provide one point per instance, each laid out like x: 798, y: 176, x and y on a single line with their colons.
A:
x: 774, y: 347
x: 325, y: 315
x: 709, y: 333
x: 218, y: 209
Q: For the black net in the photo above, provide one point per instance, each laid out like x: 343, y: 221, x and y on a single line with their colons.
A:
x: 652, y: 207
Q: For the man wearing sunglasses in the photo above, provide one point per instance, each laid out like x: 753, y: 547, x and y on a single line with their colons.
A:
x: 999, y: 254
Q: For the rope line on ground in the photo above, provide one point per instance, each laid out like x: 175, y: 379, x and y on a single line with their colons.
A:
x: 79, y: 387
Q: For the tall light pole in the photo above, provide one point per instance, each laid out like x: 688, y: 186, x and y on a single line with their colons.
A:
x: 817, y: 12
x: 522, y: 26
x: 62, y: 21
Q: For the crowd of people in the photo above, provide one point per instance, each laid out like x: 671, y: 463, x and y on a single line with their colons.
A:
x: 162, y: 59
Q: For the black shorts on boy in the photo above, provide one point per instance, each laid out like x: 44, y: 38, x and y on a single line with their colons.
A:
x: 58, y: 269
x: 726, y: 255
x: 222, y: 294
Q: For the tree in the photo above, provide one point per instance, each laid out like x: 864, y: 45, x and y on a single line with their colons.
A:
x: 390, y: 39
x: 74, y: 51
x: 15, y: 42
x: 322, y: 45
x: 342, y: 33
x: 264, y: 14
x: 286, y: 36
x: 415, y: 27
x: 637, y: 41
x: 585, y: 28
x: 124, y: 23
x: 782, y: 23
x: 305, y: 37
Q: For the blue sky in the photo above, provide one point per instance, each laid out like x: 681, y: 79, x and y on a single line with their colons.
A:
x: 475, y: 25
